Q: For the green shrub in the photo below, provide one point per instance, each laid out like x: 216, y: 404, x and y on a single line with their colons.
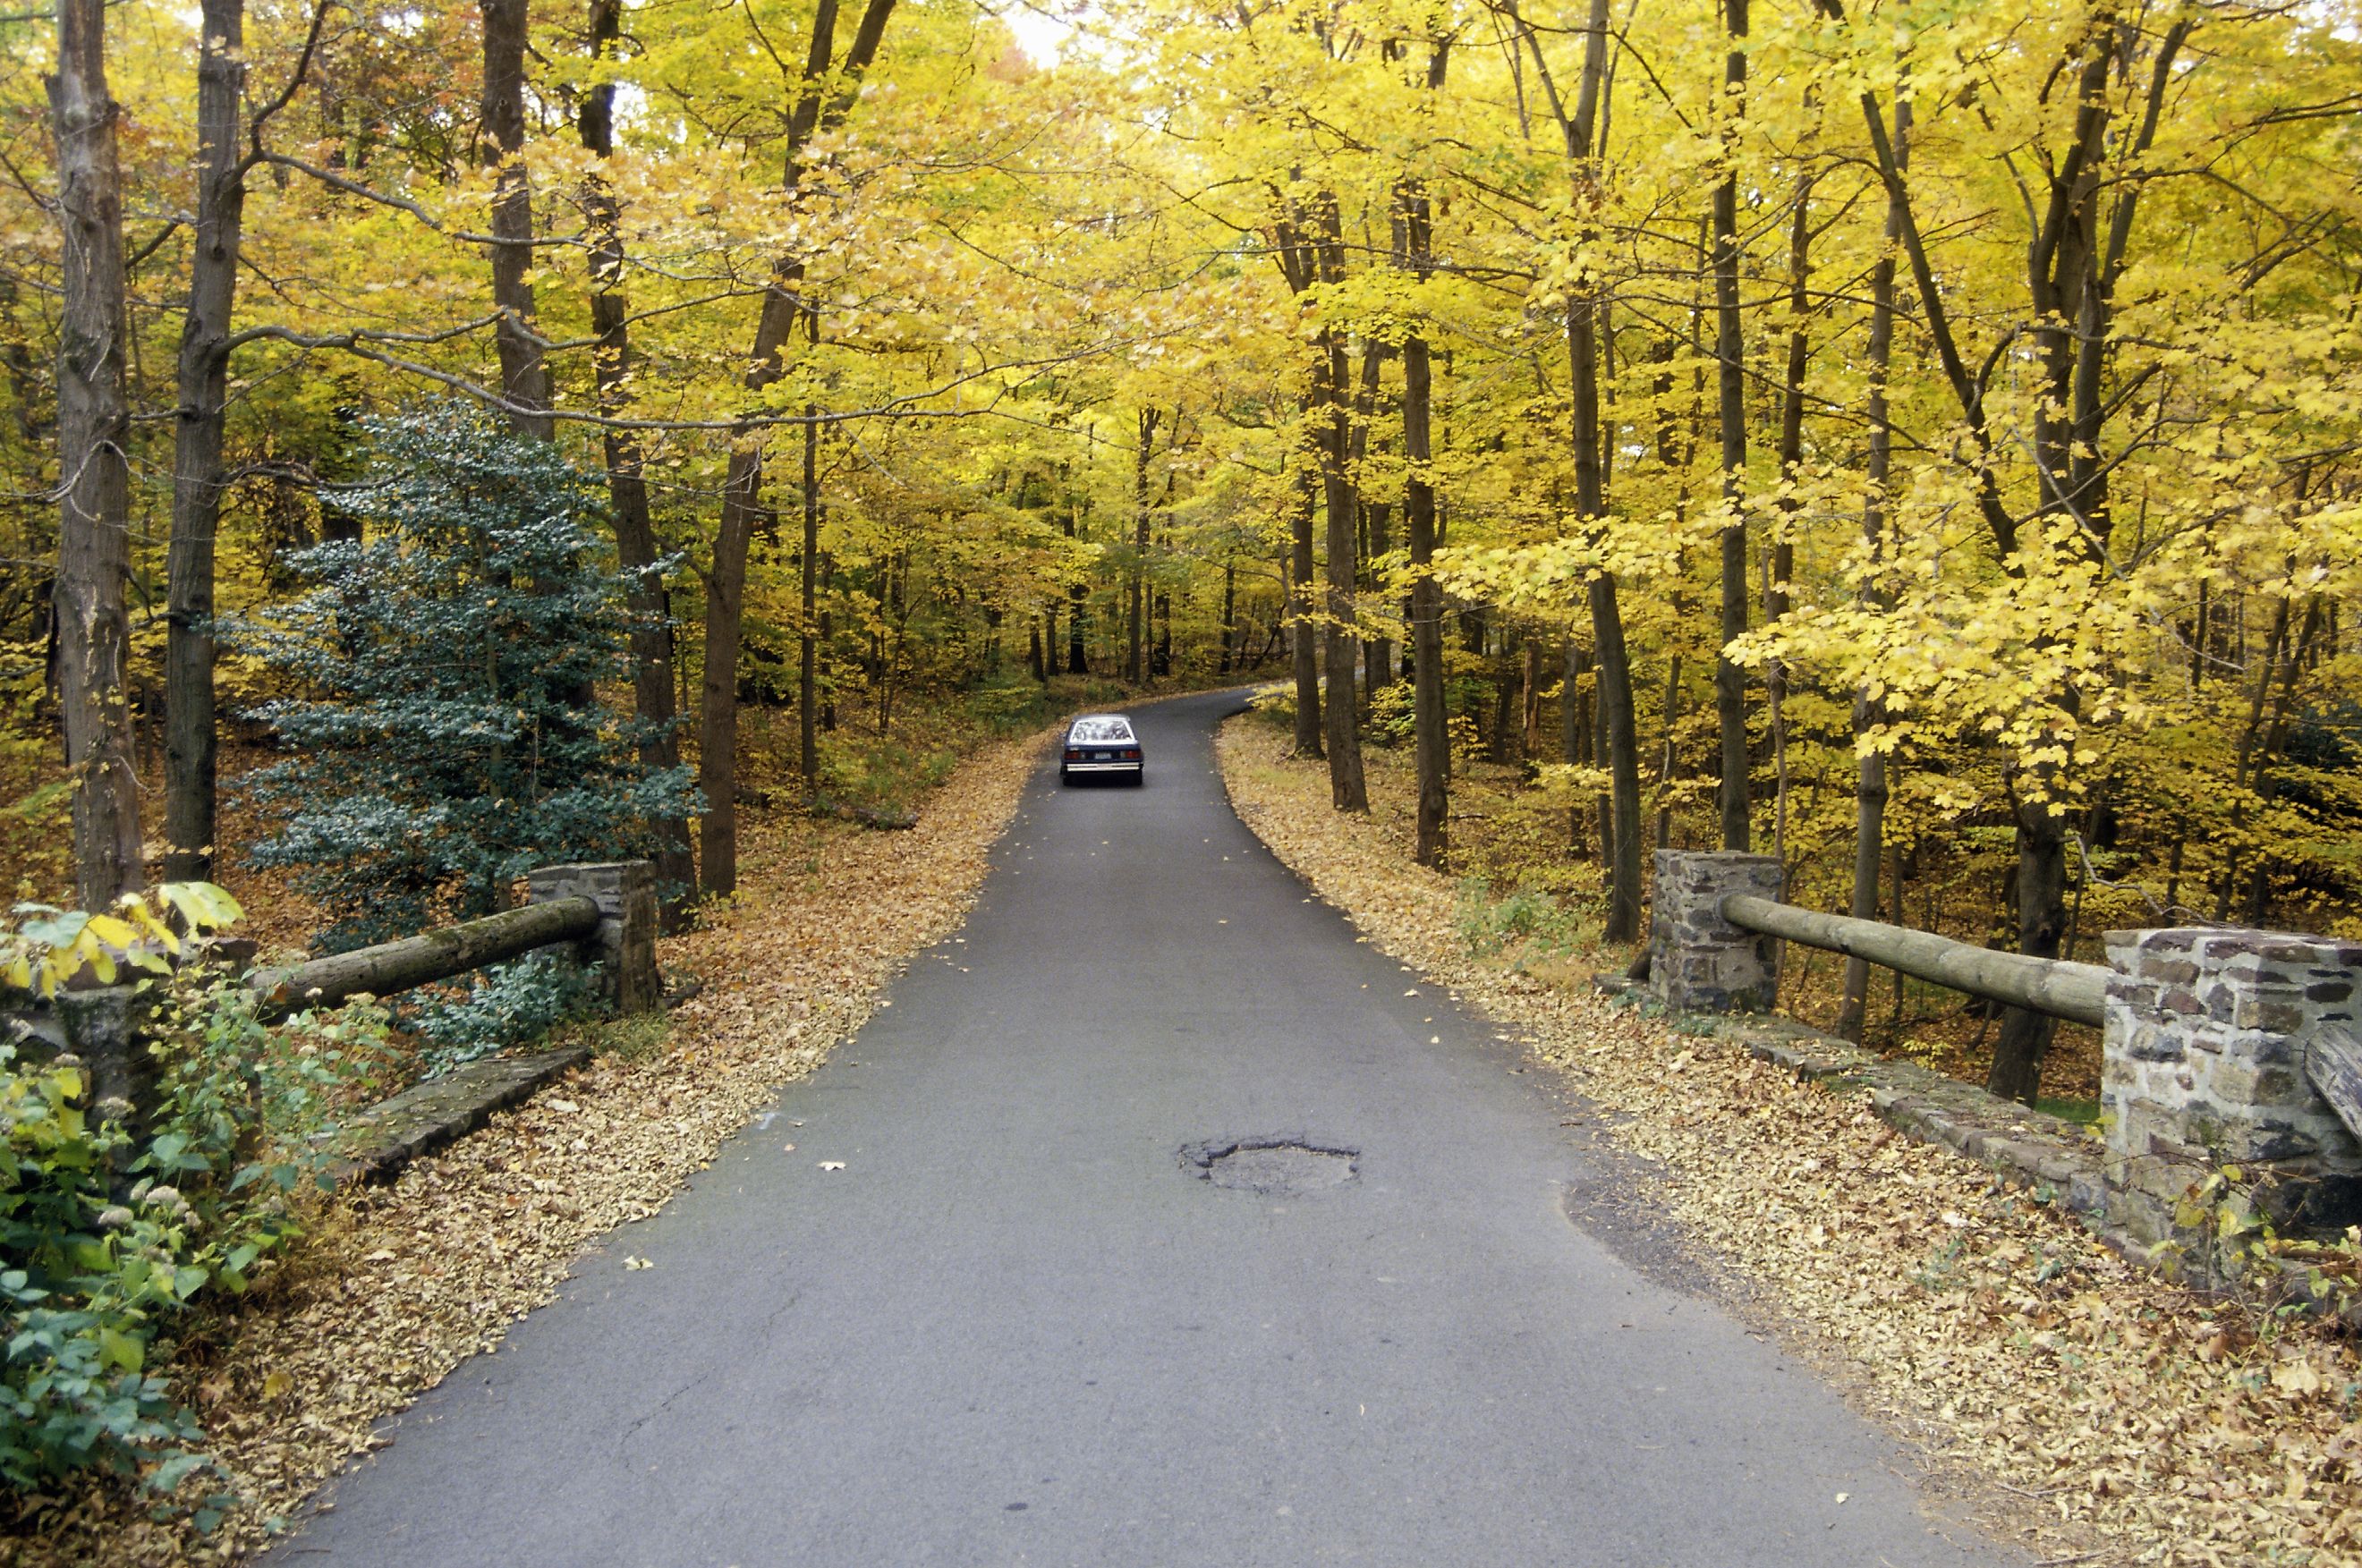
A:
x: 445, y: 739
x: 107, y: 1237
x: 1530, y: 916
x: 1393, y: 717
x: 507, y: 1004
x: 876, y: 773
x: 1274, y: 705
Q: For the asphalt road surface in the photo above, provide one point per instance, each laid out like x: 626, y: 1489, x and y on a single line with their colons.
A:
x: 1036, y: 1319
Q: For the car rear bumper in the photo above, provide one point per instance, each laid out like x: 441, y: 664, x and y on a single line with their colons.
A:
x: 1100, y: 767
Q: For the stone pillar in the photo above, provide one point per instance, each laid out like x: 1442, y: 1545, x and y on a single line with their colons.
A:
x: 2204, y: 1067
x: 101, y: 1029
x: 625, y: 945
x: 1699, y: 962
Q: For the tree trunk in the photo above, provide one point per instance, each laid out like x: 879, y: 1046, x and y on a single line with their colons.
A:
x: 2024, y: 1036
x: 1378, y: 653
x: 1229, y: 610
x: 1303, y: 648
x: 627, y: 491
x: 1869, y: 769
x: 1432, y: 735
x: 1430, y: 738
x: 1621, y: 841
x: 203, y: 386
x: 1530, y: 700
x: 95, y: 480
x: 2261, y: 779
x: 2072, y: 274
x: 1664, y: 825
x: 525, y: 374
x: 828, y: 91
x: 1077, y: 603
x: 1136, y: 627
x: 1339, y: 642
x: 1576, y: 740
x: 1371, y: 543
x: 806, y: 617
x: 1792, y: 459
x: 1340, y: 645
x: 717, y: 732
x: 1730, y: 680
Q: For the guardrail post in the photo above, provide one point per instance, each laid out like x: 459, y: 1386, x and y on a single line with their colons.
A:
x: 1699, y: 962
x: 2204, y: 1067
x: 625, y: 945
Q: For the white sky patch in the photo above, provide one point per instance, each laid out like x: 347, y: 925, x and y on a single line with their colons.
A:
x: 1041, y: 35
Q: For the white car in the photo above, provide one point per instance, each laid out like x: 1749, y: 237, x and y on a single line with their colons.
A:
x: 1101, y: 745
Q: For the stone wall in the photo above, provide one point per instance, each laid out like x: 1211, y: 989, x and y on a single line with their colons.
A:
x: 2204, y: 1050
x: 625, y: 946
x: 1699, y: 962
x: 2205, y: 1068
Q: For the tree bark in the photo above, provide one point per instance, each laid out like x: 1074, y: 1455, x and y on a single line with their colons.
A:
x: 806, y: 617
x: 2076, y: 992
x: 636, y: 538
x: 2071, y: 273
x: 1431, y: 731
x: 1377, y: 653
x: 1230, y: 610
x: 417, y: 960
x: 1431, y: 742
x: 1341, y: 643
x: 1298, y: 260
x: 1621, y: 842
x: 525, y: 374
x: 828, y: 92
x: 1077, y: 599
x: 202, y: 380
x: 1577, y: 742
x: 1730, y: 680
x: 1136, y: 625
x: 1304, y: 648
x: 1871, y: 788
x: 94, y: 479
x: 1791, y: 460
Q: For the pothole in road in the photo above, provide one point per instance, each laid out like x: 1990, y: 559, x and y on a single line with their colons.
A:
x: 1275, y: 1167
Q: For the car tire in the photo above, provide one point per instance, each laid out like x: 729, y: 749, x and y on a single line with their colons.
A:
x: 1064, y: 777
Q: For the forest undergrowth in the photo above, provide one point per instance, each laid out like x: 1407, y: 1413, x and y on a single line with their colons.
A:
x: 2120, y: 1418
x: 396, y: 1285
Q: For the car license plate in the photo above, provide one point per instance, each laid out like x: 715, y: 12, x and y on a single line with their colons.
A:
x: 1102, y: 756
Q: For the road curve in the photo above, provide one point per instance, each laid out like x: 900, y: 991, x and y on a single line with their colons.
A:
x: 1020, y: 1326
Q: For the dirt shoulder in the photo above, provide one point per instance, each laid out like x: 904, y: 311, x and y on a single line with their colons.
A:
x: 399, y: 1285
x: 2134, y: 1421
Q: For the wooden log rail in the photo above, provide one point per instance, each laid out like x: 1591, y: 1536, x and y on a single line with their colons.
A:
x: 2333, y: 1061
x: 2220, y: 1047
x: 421, y: 960
x: 2074, y: 991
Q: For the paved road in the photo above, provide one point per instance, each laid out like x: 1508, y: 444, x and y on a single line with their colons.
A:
x: 1017, y: 1329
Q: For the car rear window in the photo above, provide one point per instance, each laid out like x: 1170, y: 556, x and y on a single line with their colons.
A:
x: 1100, y: 732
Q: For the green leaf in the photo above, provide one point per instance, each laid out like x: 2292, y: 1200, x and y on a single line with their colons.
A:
x: 117, y: 1348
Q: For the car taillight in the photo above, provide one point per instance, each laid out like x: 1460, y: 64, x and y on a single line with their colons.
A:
x: 1073, y: 755
x: 1131, y: 753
